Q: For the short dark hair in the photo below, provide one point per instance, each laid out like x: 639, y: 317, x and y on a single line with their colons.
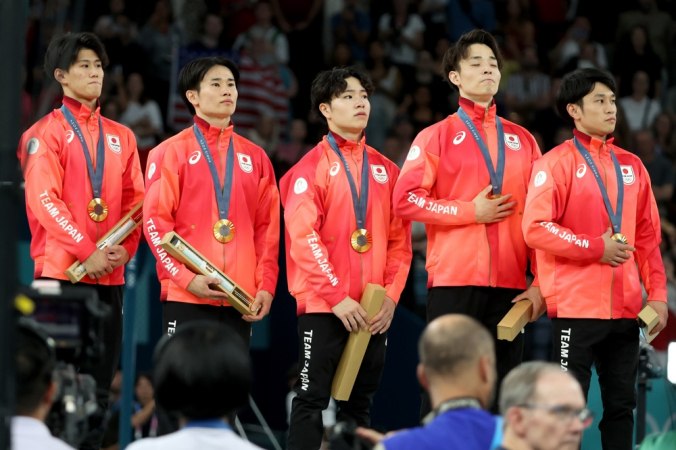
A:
x: 35, y: 362
x: 576, y: 85
x: 329, y: 84
x: 203, y: 371
x: 452, y: 341
x: 64, y: 48
x: 193, y: 73
x: 460, y: 50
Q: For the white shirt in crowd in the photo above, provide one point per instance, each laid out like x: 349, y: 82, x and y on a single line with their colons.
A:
x: 640, y: 115
x: 31, y: 434
x: 195, y: 439
x: 136, y: 111
x: 403, y: 53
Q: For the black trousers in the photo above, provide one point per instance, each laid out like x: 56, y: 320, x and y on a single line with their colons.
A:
x: 104, y: 371
x: 488, y: 305
x: 612, y: 345
x: 175, y: 314
x: 322, y: 338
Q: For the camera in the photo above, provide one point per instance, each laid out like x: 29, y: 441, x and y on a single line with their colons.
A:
x: 72, y: 319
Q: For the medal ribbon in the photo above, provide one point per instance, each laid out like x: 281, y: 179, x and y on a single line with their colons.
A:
x: 615, y: 217
x: 496, y: 174
x: 222, y: 192
x: 95, y: 175
x: 359, y: 202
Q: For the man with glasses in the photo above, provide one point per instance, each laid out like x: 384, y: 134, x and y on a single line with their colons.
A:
x: 543, y: 408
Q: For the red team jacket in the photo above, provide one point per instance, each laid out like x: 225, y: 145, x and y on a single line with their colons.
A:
x: 444, y: 171
x: 180, y: 197
x: 58, y: 189
x: 322, y: 267
x: 564, y: 218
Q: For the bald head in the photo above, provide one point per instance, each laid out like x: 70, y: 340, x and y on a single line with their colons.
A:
x: 451, y: 342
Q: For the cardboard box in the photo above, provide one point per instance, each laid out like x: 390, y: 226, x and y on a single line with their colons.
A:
x: 648, y: 319
x: 517, y: 318
x: 353, y: 354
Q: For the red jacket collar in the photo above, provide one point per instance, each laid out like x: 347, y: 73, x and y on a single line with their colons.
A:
x: 348, y: 146
x: 477, y: 112
x: 80, y: 110
x: 592, y: 143
x: 209, y: 130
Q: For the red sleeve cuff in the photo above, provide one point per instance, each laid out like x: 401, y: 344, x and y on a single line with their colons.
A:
x: 85, y: 250
x: 184, y: 278
x: 335, y: 297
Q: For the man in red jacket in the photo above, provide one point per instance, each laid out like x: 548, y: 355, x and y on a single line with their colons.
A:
x: 466, y: 178
x: 592, y: 219
x: 340, y: 235
x: 217, y: 190
x: 82, y: 176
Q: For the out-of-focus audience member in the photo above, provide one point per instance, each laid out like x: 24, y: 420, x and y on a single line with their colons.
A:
x: 528, y: 89
x: 660, y: 169
x: 144, y: 419
x: 543, y: 408
x: 658, y: 23
x: 265, y: 133
x: 35, y: 390
x: 210, y: 36
x: 289, y: 153
x: 202, y: 374
x: 634, y: 53
x: 352, y: 27
x: 664, y: 131
x: 464, y: 16
x: 403, y: 32
x: 457, y: 368
x: 639, y: 109
x: 275, y: 40
x: 142, y: 114
x: 572, y: 44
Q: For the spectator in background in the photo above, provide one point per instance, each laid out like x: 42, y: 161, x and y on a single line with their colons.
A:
x: 571, y: 46
x: 404, y: 130
x: 342, y: 56
x: 126, y: 52
x: 660, y: 169
x: 291, y: 152
x: 528, y: 90
x: 639, y: 109
x: 265, y: 133
x: 543, y: 408
x: 210, y: 37
x: 275, y: 40
x: 427, y: 74
x: 433, y: 13
x: 144, y: 418
x: 518, y: 30
x: 203, y: 374
x: 466, y: 15
x: 388, y: 83
x: 402, y: 31
x: 352, y: 27
x: 418, y: 107
x: 142, y: 114
x: 394, y: 150
x: 157, y: 37
x: 548, y: 121
x: 664, y: 132
x: 658, y: 23
x: 635, y: 53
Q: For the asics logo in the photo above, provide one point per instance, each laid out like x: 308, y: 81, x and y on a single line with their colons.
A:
x: 195, y: 157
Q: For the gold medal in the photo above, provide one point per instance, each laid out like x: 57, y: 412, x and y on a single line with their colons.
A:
x: 361, y: 240
x: 494, y: 196
x: 224, y: 231
x: 97, y: 210
x: 619, y: 237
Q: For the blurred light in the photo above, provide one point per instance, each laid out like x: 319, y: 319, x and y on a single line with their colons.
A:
x: 671, y: 362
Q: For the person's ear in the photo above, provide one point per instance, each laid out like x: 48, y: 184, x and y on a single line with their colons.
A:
x: 325, y: 109
x: 50, y: 393
x: 422, y: 377
x: 60, y: 76
x: 574, y: 110
x: 193, y: 97
x: 516, y: 420
x: 454, y: 77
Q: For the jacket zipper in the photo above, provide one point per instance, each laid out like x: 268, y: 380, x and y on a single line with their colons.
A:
x: 488, y: 241
x: 612, y: 280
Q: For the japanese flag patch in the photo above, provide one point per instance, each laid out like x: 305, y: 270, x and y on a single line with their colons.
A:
x: 245, y: 162
x: 627, y: 174
x: 114, y: 143
x: 379, y: 173
x: 512, y: 141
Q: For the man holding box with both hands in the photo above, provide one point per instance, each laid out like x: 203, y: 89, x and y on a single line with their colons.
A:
x: 591, y: 217
x: 341, y: 235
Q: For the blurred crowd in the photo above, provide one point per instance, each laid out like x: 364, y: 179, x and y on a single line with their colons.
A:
x: 280, y: 45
